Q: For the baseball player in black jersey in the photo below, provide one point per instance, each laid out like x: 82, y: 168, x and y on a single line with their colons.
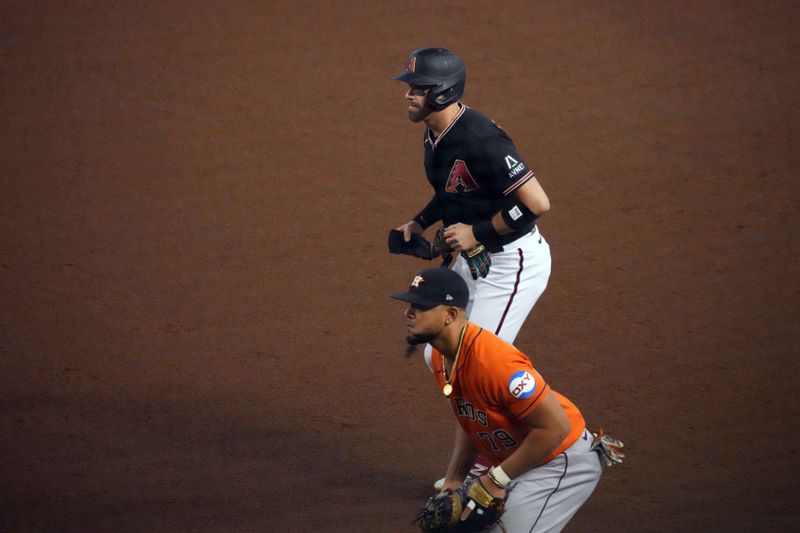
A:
x: 484, y: 194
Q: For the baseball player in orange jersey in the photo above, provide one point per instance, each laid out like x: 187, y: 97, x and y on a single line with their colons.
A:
x: 535, y: 438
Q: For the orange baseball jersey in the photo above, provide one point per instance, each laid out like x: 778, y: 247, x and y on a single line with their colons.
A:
x: 495, y: 387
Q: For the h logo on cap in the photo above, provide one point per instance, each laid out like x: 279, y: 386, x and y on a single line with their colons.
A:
x: 417, y: 281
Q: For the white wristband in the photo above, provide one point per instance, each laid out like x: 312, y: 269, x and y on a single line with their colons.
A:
x: 498, y: 475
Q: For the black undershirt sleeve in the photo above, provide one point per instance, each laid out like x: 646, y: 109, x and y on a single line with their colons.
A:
x: 430, y: 214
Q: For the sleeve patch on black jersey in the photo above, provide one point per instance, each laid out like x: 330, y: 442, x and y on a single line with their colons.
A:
x: 515, y: 168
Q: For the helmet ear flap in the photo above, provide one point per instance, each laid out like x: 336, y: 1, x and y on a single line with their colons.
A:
x: 442, y: 97
x: 438, y: 99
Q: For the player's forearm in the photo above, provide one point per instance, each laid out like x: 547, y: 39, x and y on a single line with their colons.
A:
x: 549, y: 426
x: 489, y: 231
x: 430, y: 214
x: 539, y: 443
x: 499, y: 225
x: 520, y: 210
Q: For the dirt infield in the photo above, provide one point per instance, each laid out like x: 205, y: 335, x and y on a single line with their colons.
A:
x: 195, y: 330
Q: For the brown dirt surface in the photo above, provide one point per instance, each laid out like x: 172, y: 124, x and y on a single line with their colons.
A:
x: 195, y: 330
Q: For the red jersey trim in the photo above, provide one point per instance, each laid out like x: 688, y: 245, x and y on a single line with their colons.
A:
x: 448, y: 128
x: 519, y: 183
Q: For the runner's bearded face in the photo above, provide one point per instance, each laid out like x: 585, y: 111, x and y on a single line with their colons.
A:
x: 417, y: 100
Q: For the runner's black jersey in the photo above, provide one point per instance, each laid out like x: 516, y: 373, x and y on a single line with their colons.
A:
x: 472, y: 166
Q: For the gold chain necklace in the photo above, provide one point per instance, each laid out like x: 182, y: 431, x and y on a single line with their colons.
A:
x: 448, y: 387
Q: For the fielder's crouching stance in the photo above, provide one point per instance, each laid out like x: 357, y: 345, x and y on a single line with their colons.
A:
x: 545, y: 463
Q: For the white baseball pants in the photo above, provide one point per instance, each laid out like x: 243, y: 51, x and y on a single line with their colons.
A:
x: 546, y: 498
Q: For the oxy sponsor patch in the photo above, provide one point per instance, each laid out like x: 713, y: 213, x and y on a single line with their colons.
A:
x: 521, y: 384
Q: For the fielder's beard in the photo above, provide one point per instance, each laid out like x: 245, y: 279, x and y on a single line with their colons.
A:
x: 421, y: 338
x: 413, y: 342
x: 411, y: 349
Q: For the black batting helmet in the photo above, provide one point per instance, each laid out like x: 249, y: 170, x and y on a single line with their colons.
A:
x: 441, y: 70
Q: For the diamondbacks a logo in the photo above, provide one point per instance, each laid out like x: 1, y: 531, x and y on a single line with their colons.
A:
x: 460, y: 180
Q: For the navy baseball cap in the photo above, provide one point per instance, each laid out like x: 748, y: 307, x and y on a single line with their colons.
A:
x: 436, y: 286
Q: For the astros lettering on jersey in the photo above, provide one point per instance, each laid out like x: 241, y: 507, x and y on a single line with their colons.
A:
x: 495, y: 387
